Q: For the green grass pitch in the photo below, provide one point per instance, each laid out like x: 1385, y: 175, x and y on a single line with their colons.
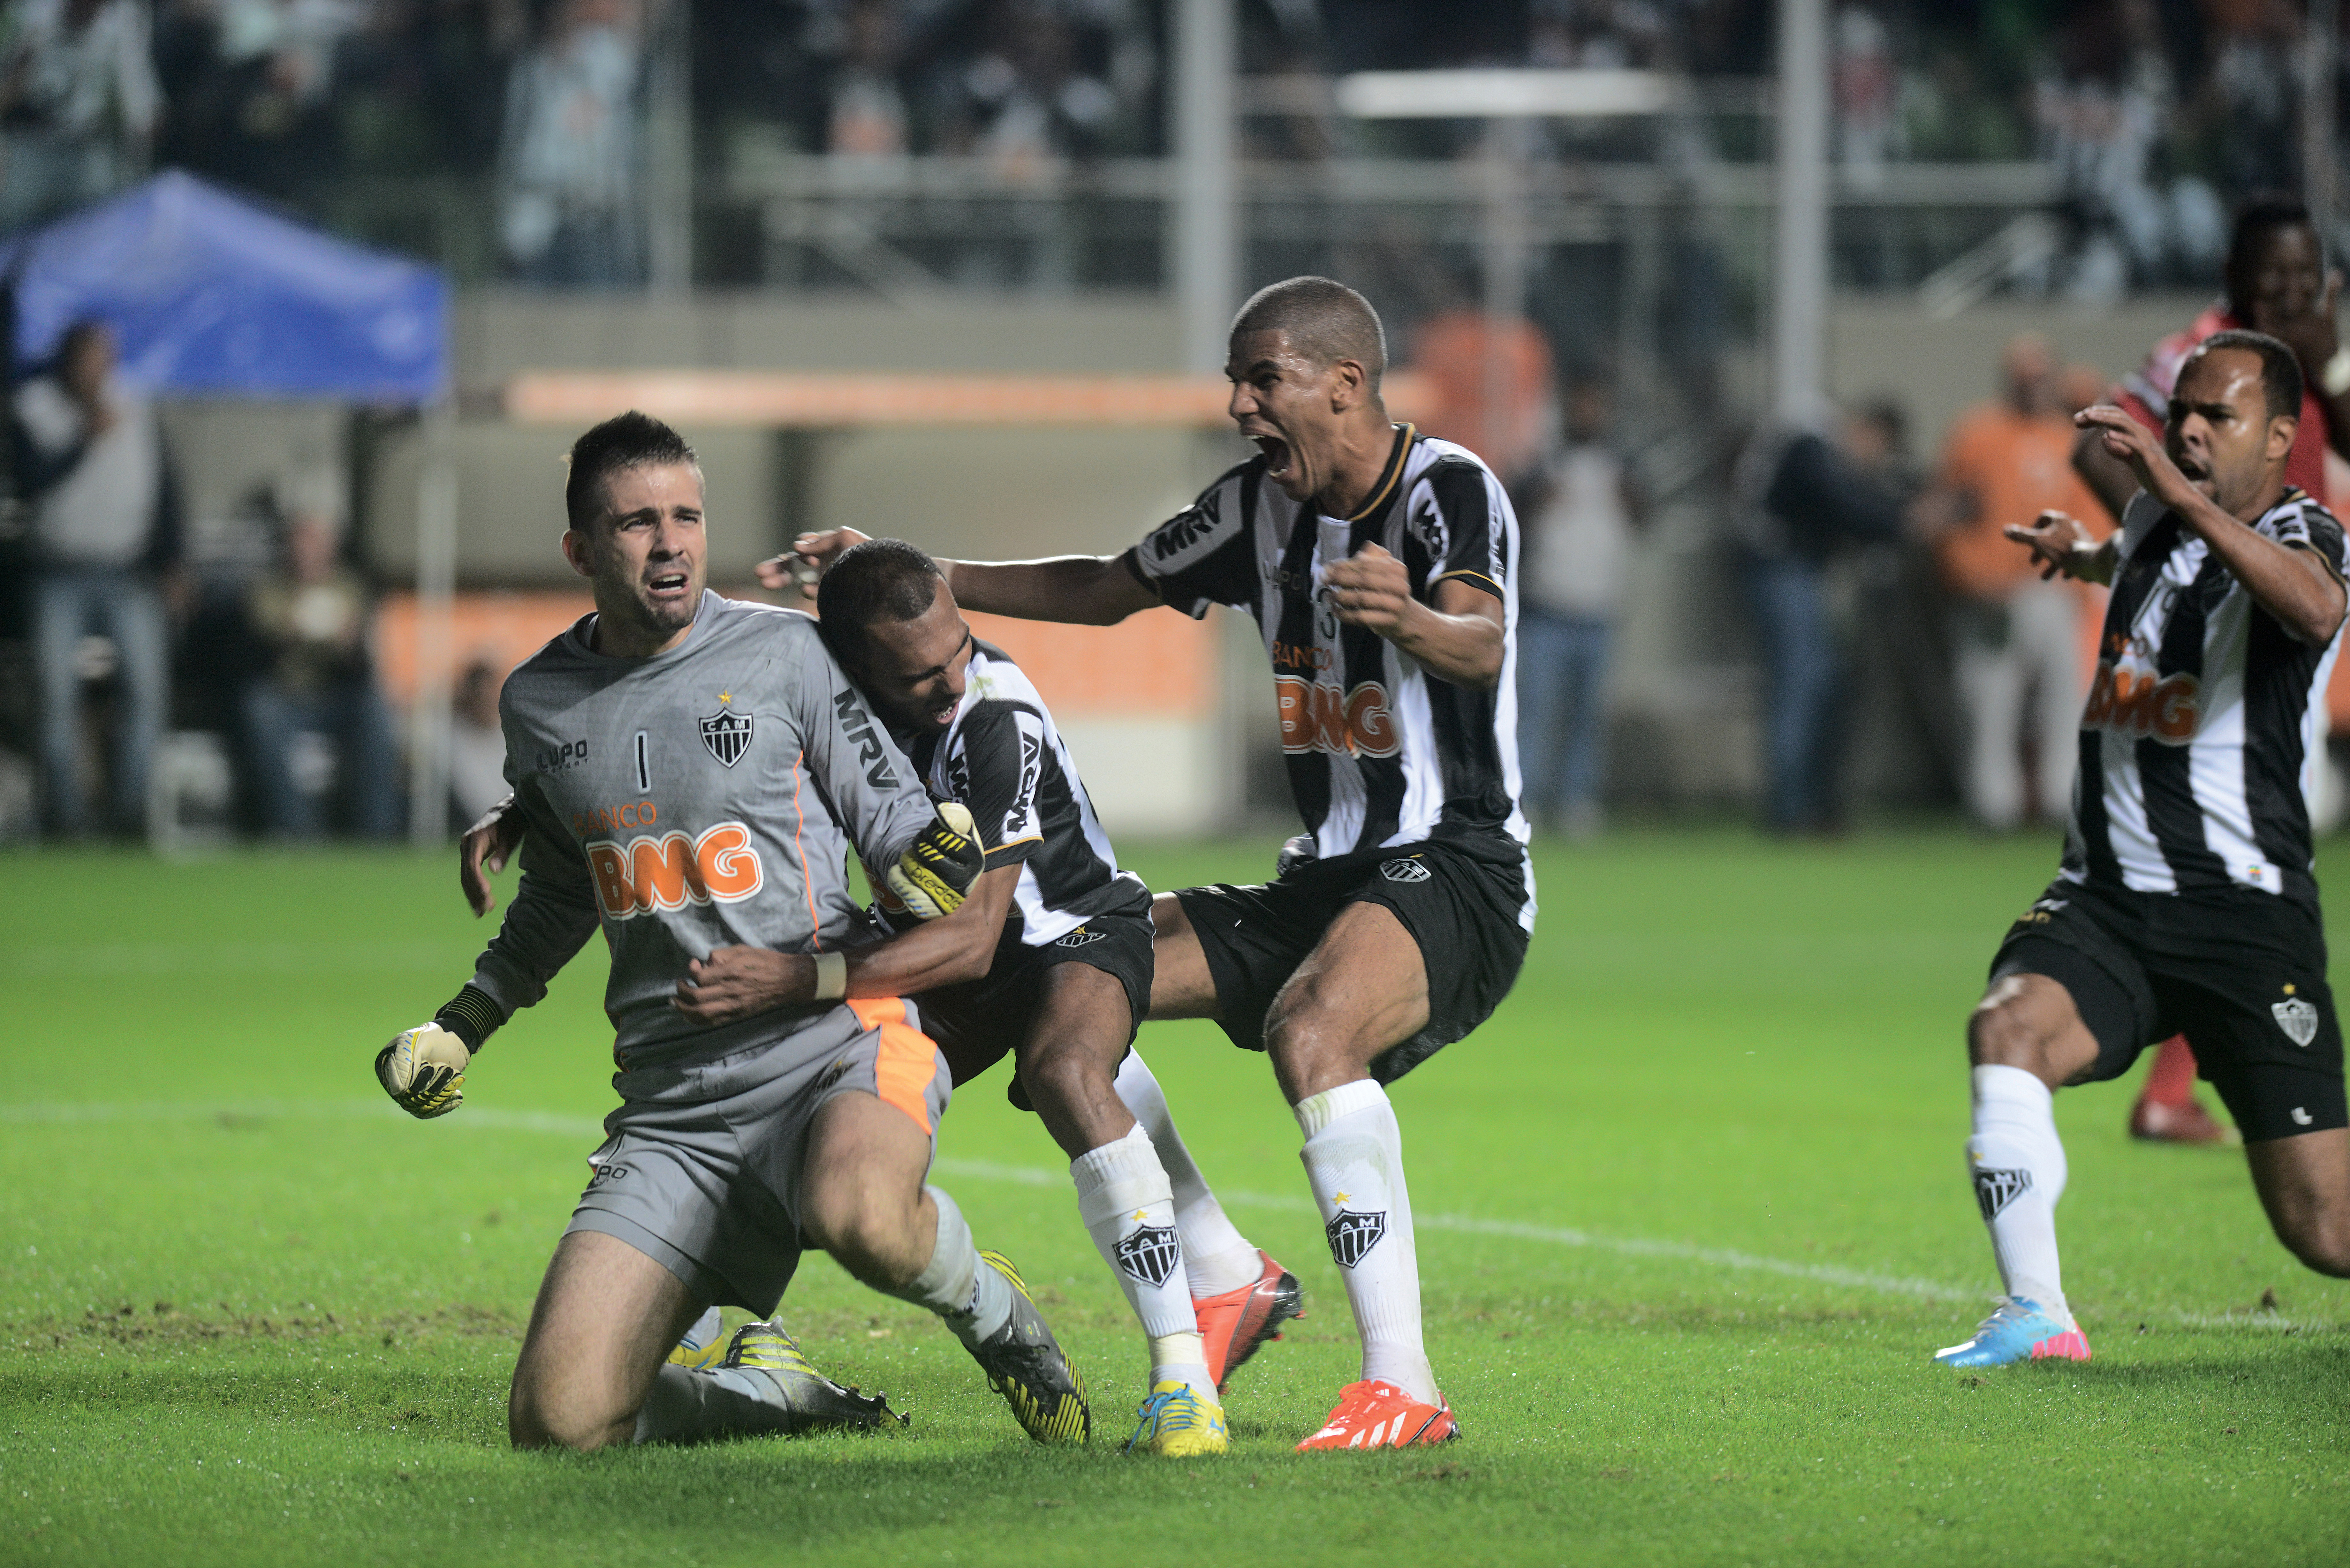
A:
x: 1692, y: 1217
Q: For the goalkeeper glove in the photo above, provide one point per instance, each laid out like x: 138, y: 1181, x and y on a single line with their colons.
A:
x: 939, y: 866
x: 423, y: 1071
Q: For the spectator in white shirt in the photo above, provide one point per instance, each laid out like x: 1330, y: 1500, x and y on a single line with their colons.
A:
x: 568, y: 211
x: 104, y: 532
x: 1570, y: 592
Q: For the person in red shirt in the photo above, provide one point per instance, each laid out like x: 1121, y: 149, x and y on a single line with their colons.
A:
x: 2278, y: 282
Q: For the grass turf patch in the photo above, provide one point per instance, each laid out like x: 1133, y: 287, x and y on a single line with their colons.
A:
x: 1692, y: 1217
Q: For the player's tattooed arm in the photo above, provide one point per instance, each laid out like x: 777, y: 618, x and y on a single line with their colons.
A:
x: 2059, y: 543
x: 1458, y: 639
x: 739, y: 982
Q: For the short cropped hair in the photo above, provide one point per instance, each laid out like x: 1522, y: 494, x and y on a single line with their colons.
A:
x: 879, y: 580
x: 623, y: 441
x: 2280, y: 371
x: 1325, y: 320
x: 2261, y: 216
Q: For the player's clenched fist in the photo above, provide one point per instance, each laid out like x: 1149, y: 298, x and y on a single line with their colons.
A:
x: 1370, y: 588
x: 938, y: 867
x: 423, y: 1071
x: 812, y: 556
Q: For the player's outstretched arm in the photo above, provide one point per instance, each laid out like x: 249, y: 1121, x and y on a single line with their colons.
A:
x: 1084, y: 590
x: 738, y: 982
x: 1458, y: 639
x: 2059, y: 543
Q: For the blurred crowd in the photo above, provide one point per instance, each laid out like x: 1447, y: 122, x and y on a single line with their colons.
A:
x: 2157, y: 113
x: 264, y: 663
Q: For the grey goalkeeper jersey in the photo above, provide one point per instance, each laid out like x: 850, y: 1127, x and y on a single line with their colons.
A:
x: 702, y: 798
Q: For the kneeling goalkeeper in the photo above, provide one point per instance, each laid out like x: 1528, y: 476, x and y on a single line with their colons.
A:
x: 692, y: 772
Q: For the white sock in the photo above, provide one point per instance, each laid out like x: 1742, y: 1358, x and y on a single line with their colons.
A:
x: 2018, y: 1164
x: 1354, y: 1157
x: 1216, y: 1254
x: 1125, y: 1199
x: 971, y: 1299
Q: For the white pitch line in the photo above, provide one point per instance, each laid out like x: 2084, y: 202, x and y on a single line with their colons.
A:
x: 485, y: 1119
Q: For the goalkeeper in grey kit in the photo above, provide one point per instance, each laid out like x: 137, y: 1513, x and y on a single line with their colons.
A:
x: 692, y: 774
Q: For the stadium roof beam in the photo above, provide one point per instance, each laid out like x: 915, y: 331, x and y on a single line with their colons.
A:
x: 1502, y: 93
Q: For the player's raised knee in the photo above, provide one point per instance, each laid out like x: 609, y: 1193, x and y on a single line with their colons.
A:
x: 2015, y: 1022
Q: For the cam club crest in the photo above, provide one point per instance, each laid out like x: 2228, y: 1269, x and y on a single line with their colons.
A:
x: 1150, y: 1253
x: 1406, y: 870
x: 1352, y: 1235
x: 726, y: 733
x: 1995, y: 1190
x: 2297, y: 1016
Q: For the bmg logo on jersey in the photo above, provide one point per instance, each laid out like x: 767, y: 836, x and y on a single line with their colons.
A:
x: 720, y: 866
x: 2137, y: 703
x: 1318, y: 718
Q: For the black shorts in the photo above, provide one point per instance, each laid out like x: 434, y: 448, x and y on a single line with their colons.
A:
x: 1460, y: 899
x: 978, y: 1022
x: 2240, y: 974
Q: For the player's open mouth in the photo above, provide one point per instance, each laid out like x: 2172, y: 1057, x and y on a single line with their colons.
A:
x: 1276, y: 455
x: 668, y: 585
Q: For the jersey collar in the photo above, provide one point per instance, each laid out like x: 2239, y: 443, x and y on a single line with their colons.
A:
x: 1404, y: 436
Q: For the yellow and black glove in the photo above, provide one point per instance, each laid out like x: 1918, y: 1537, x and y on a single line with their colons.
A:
x: 423, y: 1071
x: 932, y: 878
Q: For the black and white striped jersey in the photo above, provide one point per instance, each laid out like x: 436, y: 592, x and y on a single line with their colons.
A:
x: 2201, y: 728
x: 1002, y: 757
x: 1379, y: 754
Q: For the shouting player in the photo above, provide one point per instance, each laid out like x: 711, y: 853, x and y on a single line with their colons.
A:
x: 691, y: 773
x: 1381, y: 566
x: 2186, y: 902
x: 2277, y: 283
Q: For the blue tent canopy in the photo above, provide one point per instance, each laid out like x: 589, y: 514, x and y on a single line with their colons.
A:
x: 209, y: 293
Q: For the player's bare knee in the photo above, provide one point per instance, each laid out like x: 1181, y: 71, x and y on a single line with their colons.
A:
x: 866, y: 1231
x: 539, y: 1417
x: 2323, y: 1245
x: 2002, y: 1032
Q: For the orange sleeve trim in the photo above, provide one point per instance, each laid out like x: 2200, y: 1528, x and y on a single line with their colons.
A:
x: 800, y: 853
x: 906, y: 1060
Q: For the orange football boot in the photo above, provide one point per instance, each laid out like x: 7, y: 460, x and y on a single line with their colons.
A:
x: 1382, y: 1415
x: 1235, y: 1323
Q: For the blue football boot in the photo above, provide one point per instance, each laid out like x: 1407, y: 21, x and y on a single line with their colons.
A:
x: 2018, y: 1331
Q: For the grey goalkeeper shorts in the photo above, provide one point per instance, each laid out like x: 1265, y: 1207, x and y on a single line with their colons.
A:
x: 700, y: 1169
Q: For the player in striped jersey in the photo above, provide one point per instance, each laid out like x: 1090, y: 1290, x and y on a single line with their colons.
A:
x: 1069, y: 983
x: 1380, y: 566
x: 2186, y: 901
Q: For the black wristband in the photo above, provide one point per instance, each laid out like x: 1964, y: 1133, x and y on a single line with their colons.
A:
x: 472, y: 1015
